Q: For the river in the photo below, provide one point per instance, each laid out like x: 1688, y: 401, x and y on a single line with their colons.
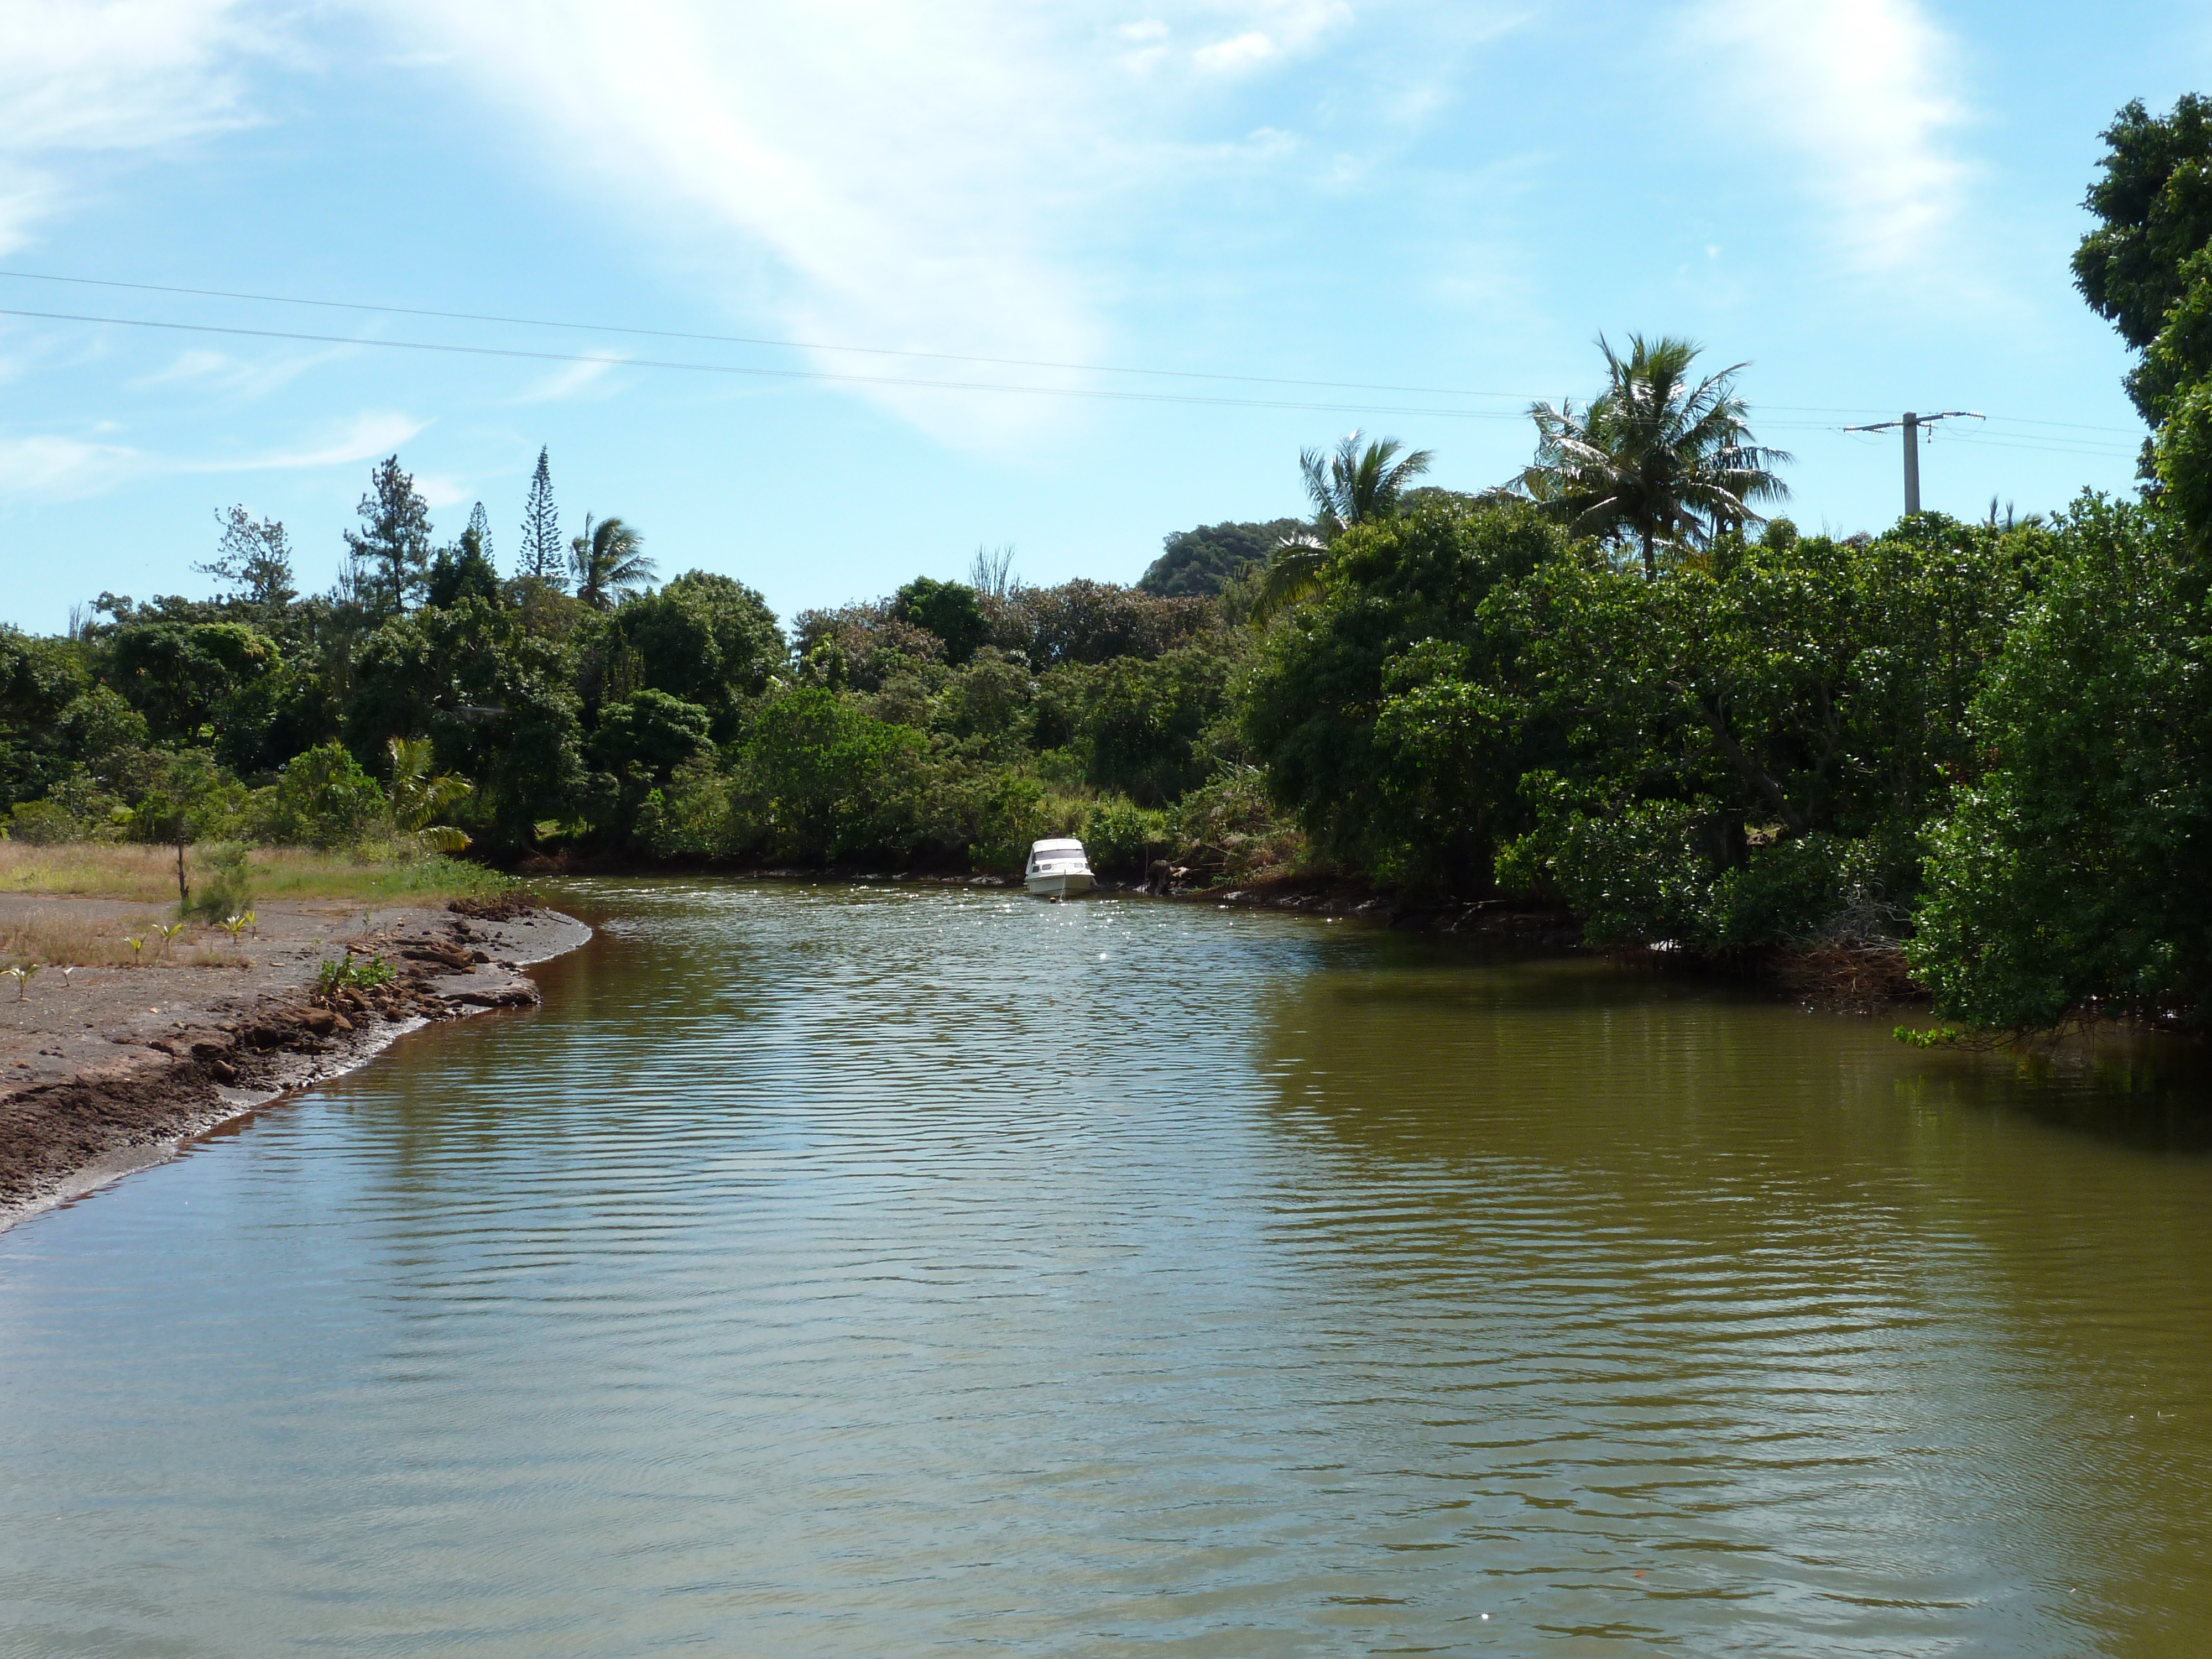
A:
x: 874, y: 1271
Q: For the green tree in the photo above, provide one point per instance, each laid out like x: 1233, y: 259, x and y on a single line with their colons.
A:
x: 191, y: 680
x: 1083, y: 620
x: 825, y: 780
x: 390, y: 553
x: 543, y: 557
x: 640, y: 742
x: 466, y: 571
x: 1354, y: 486
x: 1654, y: 460
x: 1140, y: 726
x: 1401, y: 612
x: 192, y: 799
x: 1747, y: 752
x: 498, y: 704
x: 322, y: 798
x: 256, y: 559
x: 39, y: 680
x: 607, y: 562
x: 951, y: 610
x: 706, y: 639
x: 2152, y: 202
x: 2076, y: 874
x: 2148, y: 269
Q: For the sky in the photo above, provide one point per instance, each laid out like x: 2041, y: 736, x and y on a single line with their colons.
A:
x: 828, y: 296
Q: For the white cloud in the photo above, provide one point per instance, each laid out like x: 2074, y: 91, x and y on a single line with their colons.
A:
x: 369, y: 437
x: 565, y: 382
x: 55, y: 465
x: 45, y: 464
x: 217, y: 371
x: 1861, y: 93
x: 108, y: 77
x: 1239, y: 51
x: 930, y: 178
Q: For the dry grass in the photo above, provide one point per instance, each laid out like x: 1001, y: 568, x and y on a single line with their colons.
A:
x: 214, y: 953
x: 149, y: 875
x: 68, y: 942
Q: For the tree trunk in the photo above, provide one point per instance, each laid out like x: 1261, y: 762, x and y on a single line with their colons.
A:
x: 184, y: 893
x: 1650, y: 563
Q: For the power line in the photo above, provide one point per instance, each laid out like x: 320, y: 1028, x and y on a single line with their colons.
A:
x: 751, y: 340
x: 766, y: 374
x: 891, y: 351
x: 2057, y: 447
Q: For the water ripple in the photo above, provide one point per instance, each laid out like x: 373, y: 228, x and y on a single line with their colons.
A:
x: 867, y: 1271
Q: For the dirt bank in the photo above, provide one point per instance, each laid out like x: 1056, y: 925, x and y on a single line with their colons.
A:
x: 113, y: 1065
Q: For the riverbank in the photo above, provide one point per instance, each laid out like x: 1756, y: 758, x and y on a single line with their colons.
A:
x: 115, y: 1065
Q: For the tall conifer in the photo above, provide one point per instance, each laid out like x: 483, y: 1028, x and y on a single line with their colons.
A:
x: 390, y: 554
x: 542, y: 558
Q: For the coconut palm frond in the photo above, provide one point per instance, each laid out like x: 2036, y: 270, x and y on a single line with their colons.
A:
x: 1293, y: 575
x: 1654, y: 461
x: 418, y: 796
x: 1353, y: 486
x: 608, y: 562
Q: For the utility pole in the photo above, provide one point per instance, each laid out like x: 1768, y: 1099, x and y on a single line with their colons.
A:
x: 1911, y: 424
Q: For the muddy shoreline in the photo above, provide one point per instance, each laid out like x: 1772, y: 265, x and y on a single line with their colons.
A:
x: 101, y: 1079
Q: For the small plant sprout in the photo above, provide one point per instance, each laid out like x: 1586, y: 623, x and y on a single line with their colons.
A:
x: 249, y: 921
x: 23, y: 977
x: 348, y: 974
x: 138, y: 948
x: 235, y: 924
x: 168, y: 930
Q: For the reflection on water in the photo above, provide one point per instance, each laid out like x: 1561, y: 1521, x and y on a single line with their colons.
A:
x: 852, y: 1272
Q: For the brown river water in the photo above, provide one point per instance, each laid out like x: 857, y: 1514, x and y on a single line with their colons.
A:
x: 884, y: 1272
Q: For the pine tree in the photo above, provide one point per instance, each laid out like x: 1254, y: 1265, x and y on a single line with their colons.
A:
x: 391, y: 552
x: 543, y: 558
x: 255, y: 558
x: 480, y: 528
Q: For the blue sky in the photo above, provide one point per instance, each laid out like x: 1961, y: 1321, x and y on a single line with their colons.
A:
x: 1434, y: 209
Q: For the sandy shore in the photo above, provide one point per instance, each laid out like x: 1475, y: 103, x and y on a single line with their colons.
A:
x: 109, y: 1068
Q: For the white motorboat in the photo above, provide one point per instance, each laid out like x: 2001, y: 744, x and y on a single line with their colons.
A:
x: 1058, y: 868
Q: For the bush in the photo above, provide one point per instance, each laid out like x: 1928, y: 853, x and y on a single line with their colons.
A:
x: 322, y: 798
x: 225, y: 883
x: 1640, y: 876
x: 43, y: 823
x: 1230, y: 828
x: 693, y: 815
x: 1121, y: 837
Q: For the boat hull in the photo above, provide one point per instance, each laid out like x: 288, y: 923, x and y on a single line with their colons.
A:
x: 1059, y: 883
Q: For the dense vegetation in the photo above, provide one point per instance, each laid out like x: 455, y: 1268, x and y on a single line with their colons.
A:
x: 1613, y: 684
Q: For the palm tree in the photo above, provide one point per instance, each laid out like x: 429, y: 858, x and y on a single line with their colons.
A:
x: 1354, y: 486
x: 606, y: 561
x: 417, y: 799
x: 1654, y: 460
x: 1351, y: 487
